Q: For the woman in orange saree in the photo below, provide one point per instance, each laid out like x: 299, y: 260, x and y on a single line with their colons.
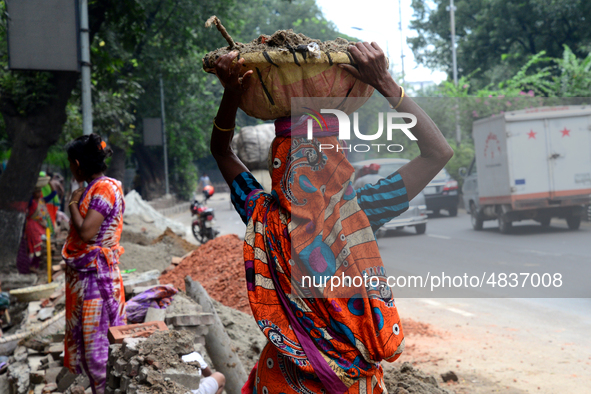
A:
x: 314, y: 223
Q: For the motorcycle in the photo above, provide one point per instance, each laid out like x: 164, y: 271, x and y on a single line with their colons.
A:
x: 202, y: 225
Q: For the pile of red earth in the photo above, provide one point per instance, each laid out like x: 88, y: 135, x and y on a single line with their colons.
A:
x: 219, y: 266
x: 412, y: 327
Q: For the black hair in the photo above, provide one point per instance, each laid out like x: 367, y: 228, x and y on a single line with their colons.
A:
x: 90, y: 154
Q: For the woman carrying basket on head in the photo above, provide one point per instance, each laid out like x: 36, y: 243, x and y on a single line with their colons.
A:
x: 314, y: 222
x: 95, y: 299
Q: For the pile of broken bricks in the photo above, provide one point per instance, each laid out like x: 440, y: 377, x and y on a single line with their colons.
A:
x: 35, y: 366
x: 153, y: 364
x: 39, y: 371
x: 128, y: 372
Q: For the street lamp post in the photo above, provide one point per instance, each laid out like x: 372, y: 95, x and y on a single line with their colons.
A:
x: 452, y: 15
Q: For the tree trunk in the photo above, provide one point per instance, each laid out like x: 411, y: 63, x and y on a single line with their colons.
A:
x: 32, y: 135
x: 117, y: 167
x: 151, y: 173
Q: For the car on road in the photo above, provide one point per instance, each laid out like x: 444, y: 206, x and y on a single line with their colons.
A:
x: 416, y: 215
x: 442, y: 193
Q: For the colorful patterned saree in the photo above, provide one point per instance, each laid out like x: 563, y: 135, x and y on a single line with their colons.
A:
x: 95, y: 299
x: 312, y: 225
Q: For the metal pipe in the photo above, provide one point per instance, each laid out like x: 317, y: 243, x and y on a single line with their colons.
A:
x: 85, y: 63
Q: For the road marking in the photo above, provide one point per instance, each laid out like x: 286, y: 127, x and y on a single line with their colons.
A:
x: 438, y: 236
x: 454, y: 310
x: 541, y: 253
x: 460, y: 312
x: 431, y: 302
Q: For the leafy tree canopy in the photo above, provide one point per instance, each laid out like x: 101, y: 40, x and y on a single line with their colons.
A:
x: 496, y: 37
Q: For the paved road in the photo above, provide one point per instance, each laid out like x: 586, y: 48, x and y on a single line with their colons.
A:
x: 451, y: 246
x: 530, y: 344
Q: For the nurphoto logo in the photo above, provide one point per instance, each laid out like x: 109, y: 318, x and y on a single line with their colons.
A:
x: 345, y: 130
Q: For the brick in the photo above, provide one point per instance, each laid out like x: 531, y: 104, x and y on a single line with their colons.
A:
x: 66, y: 381
x: 183, y: 320
x: 55, y: 349
x: 176, y: 260
x: 207, y: 319
x: 120, y: 366
x: 114, y: 354
x: 133, y: 368
x: 188, y: 379
x: 61, y: 374
x: 143, y: 330
x: 132, y: 389
x: 114, y: 380
x: 155, y: 314
x: 37, y: 377
x: 51, y: 374
x: 57, y: 338
x: 125, y: 380
x: 129, y: 348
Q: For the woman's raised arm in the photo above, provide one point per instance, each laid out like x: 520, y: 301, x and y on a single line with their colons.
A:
x: 235, y: 83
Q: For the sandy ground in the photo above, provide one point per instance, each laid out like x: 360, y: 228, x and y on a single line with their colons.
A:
x: 493, y: 353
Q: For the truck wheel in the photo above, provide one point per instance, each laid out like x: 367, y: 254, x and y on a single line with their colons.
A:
x: 574, y: 222
x: 505, y: 225
x: 453, y: 211
x: 475, y: 218
x: 421, y: 228
x: 545, y: 222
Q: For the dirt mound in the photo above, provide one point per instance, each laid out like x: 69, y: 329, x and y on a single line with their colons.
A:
x: 286, y: 40
x: 247, y: 338
x: 169, y: 237
x: 406, y: 379
x: 219, y: 266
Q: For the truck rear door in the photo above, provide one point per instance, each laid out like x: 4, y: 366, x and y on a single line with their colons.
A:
x: 569, y: 156
x: 528, y: 155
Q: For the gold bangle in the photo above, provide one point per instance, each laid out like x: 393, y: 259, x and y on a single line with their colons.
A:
x: 73, y: 202
x: 401, y: 98
x: 220, y: 129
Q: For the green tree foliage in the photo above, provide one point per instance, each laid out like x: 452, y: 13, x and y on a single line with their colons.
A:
x: 268, y: 16
x: 496, y: 37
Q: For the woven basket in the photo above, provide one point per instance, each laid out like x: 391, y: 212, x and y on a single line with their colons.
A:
x: 280, y: 75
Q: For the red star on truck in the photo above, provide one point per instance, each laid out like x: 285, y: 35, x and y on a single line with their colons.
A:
x: 565, y: 132
x: 531, y: 134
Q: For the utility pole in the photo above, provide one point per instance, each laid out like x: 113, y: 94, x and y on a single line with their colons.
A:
x: 401, y: 38
x: 452, y: 14
x: 452, y: 11
x: 85, y: 60
x: 164, y: 135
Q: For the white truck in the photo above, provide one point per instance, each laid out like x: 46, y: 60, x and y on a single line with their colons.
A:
x: 530, y: 164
